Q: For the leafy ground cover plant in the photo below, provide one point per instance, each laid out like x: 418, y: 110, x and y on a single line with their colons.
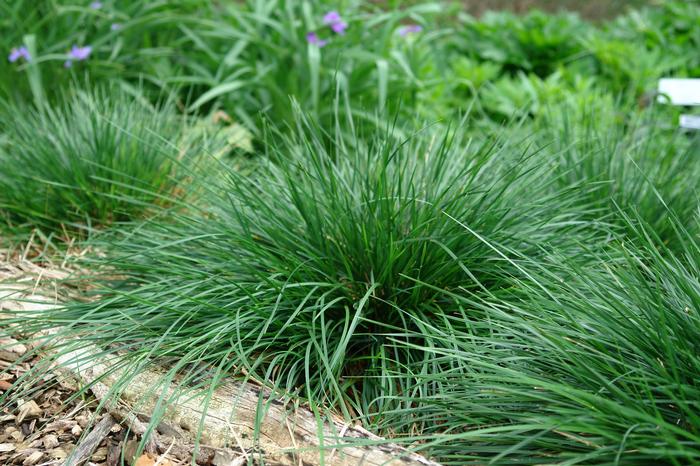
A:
x: 624, y: 56
x: 100, y: 157
x: 537, y: 42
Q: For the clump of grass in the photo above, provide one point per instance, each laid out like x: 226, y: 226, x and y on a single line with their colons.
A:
x: 98, y: 157
x: 639, y: 162
x: 301, y: 273
x: 579, y: 365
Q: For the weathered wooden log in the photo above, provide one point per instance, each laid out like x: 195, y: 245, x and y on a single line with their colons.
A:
x: 229, y: 417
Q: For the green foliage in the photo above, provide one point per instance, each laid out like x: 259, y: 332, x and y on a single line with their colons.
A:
x: 673, y: 26
x: 97, y: 158
x: 304, y: 272
x: 639, y: 163
x: 536, y: 43
x: 233, y: 56
x: 523, y: 289
x: 596, y: 364
x: 626, y: 55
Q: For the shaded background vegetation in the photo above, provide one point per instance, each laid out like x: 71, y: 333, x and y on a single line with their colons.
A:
x: 592, y: 9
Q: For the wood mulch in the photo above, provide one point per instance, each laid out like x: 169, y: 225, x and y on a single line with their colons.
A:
x: 58, y: 424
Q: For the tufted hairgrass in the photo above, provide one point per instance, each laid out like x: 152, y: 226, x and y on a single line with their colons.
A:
x: 639, y: 162
x: 450, y: 295
x: 97, y: 158
x: 594, y: 364
x: 302, y: 273
x: 526, y: 295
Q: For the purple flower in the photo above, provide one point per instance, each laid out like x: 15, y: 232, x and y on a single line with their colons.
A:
x: 78, y: 54
x: 312, y: 38
x: 96, y: 5
x: 339, y: 27
x: 410, y: 29
x: 332, y: 17
x: 19, y: 52
x: 115, y: 26
x: 336, y: 23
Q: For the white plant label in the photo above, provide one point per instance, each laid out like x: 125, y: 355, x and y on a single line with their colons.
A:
x: 679, y: 91
x: 690, y: 122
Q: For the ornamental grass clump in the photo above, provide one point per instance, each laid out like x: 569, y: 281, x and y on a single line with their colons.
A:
x: 94, y: 159
x: 595, y: 364
x: 304, y: 272
x: 637, y: 162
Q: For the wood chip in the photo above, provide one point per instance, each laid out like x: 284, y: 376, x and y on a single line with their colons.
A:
x: 227, y: 458
x: 148, y: 460
x: 61, y: 425
x: 50, y: 441
x: 11, y: 350
x: 5, y: 447
x: 28, y: 410
x: 114, y: 454
x: 58, y: 454
x: 33, y: 459
x: 99, y: 455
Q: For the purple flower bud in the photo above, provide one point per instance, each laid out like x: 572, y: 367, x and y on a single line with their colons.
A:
x: 14, y: 55
x: 19, y: 52
x: 67, y: 64
x: 410, y: 29
x: 80, y: 53
x: 115, y: 26
x: 96, y: 5
x: 313, y: 39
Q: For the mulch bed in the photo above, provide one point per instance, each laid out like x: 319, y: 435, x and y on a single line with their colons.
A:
x: 47, y: 430
x: 60, y: 421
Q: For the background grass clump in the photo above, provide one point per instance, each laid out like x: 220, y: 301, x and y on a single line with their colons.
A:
x: 96, y: 158
x: 639, y: 163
